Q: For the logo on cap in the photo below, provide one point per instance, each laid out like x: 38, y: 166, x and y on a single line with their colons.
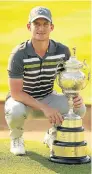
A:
x: 38, y: 12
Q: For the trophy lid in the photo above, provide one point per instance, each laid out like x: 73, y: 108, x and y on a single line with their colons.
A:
x: 73, y: 62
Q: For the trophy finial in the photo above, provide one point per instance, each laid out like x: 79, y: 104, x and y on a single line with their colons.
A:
x: 74, y: 51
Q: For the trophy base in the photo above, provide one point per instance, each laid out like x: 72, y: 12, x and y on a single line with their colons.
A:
x: 70, y: 160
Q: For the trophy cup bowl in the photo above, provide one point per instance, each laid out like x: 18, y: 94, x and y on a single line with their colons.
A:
x: 70, y: 146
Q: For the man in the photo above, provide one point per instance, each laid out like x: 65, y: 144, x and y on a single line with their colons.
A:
x: 31, y: 70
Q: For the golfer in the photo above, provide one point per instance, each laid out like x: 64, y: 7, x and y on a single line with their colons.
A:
x: 31, y: 71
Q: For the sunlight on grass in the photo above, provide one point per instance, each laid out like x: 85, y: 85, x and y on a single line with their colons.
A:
x: 35, y: 161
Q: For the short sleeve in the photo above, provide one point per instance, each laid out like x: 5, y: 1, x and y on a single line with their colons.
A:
x: 67, y: 54
x: 15, y: 64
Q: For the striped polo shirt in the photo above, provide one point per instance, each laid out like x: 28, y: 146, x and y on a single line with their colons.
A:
x: 38, y: 73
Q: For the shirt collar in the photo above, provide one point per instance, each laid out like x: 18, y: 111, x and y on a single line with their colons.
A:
x: 31, y: 51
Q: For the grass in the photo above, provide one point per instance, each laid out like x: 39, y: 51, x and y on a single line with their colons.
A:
x: 35, y: 161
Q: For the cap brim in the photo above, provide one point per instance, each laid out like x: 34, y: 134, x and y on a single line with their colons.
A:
x: 40, y: 16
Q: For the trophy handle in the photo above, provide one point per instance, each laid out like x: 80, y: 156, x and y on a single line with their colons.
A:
x: 61, y: 61
x: 56, y: 73
x: 86, y: 67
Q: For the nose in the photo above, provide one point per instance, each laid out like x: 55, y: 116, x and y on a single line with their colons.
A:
x: 41, y: 28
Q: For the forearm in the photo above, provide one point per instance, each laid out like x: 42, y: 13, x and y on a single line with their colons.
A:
x: 28, y: 100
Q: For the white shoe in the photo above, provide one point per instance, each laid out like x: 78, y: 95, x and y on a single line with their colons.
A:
x: 17, y: 146
x: 50, y: 136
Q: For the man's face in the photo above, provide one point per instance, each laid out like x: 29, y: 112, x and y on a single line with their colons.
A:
x: 40, y: 29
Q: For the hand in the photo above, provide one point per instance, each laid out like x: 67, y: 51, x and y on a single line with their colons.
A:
x: 77, y: 101
x: 53, y: 115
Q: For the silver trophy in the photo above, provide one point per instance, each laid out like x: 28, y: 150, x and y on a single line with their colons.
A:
x: 70, y: 146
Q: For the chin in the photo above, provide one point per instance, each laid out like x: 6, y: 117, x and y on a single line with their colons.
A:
x: 40, y: 39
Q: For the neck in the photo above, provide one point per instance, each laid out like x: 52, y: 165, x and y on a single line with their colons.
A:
x: 40, y: 46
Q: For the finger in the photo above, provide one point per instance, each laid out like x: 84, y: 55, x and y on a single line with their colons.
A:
x: 58, y: 122
x: 77, y: 98
x: 78, y: 102
x: 59, y: 118
x: 77, y: 106
x: 53, y: 119
x: 76, y: 95
x: 50, y: 119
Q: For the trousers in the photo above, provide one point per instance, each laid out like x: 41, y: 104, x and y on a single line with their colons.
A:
x: 16, y: 112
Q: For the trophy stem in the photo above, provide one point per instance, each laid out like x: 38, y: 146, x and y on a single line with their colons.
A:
x: 70, y: 112
x: 70, y: 102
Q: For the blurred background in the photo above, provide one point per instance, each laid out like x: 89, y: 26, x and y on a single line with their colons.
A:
x: 72, y: 20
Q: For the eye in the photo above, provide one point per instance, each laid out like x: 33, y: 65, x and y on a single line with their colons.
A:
x: 46, y: 24
x: 36, y: 24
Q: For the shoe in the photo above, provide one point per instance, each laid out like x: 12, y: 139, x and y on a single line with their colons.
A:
x: 17, y: 146
x: 50, y: 136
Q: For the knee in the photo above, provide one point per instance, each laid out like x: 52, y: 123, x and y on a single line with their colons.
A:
x: 15, y: 115
x: 15, y: 111
x: 64, y: 107
x: 62, y: 104
x: 18, y: 110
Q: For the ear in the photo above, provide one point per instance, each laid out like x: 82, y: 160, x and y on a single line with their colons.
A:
x: 29, y: 26
x: 52, y: 27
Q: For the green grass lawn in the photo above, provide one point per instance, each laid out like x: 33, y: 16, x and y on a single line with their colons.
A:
x: 35, y: 161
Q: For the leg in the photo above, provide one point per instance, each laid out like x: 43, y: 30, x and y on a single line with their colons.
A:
x: 57, y: 101
x: 15, y: 115
x: 60, y: 102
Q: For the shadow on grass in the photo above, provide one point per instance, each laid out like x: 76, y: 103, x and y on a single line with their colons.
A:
x: 59, y: 168
x: 40, y: 155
